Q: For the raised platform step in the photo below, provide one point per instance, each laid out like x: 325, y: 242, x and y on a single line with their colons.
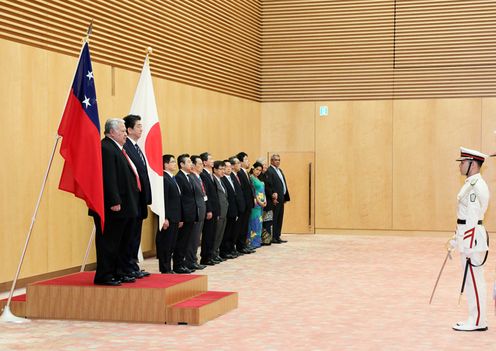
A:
x: 17, y: 305
x: 159, y: 298
x: 202, y: 308
x: 76, y: 297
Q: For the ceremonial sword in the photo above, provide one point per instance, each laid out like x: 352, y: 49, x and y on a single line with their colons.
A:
x: 448, y: 254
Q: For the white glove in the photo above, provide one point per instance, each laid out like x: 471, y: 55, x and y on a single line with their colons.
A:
x: 452, y: 244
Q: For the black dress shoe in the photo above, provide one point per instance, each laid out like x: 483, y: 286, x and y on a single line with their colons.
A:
x: 218, y: 258
x: 276, y: 241
x: 208, y: 262
x: 199, y: 267
x: 282, y: 241
x: 182, y: 270
x: 226, y: 256
x: 136, y: 274
x: 266, y: 244
x: 237, y: 253
x: 144, y: 273
x: 127, y: 279
x: 168, y: 272
x: 110, y: 282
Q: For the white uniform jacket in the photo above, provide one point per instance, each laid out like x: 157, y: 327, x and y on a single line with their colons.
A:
x: 473, y: 200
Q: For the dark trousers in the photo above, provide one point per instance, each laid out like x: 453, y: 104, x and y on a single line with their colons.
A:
x: 166, y: 242
x: 111, y: 247
x: 134, y: 244
x: 208, y: 238
x: 194, y: 243
x: 183, y: 237
x: 242, y: 230
x: 278, y: 218
x: 228, y: 240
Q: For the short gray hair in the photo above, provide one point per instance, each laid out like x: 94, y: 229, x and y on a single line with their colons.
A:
x: 112, y: 123
x: 274, y: 156
x: 262, y: 160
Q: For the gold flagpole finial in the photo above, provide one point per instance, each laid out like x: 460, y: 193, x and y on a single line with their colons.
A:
x: 88, y: 32
x: 149, y: 51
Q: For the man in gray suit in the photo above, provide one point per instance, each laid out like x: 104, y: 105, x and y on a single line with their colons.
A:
x: 218, y: 170
x: 200, y: 198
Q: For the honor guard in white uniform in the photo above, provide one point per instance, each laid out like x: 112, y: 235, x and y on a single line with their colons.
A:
x: 471, y: 238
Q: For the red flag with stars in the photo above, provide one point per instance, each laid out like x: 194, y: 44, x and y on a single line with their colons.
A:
x: 81, y: 146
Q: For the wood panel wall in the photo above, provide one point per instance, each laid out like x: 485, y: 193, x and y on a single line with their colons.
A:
x: 33, y: 94
x: 212, y: 44
x: 387, y: 165
x: 377, y: 49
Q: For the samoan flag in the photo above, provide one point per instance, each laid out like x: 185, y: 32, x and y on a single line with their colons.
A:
x: 81, y: 146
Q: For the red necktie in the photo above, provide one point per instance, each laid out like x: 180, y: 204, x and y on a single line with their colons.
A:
x: 133, y: 168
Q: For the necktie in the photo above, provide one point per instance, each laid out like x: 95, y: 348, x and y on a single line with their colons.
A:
x: 140, y: 154
x: 133, y: 167
x: 237, y: 178
x: 175, y: 182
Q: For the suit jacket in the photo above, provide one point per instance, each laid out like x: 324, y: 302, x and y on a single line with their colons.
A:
x: 188, y: 204
x: 264, y: 177
x: 119, y: 182
x: 211, y: 190
x: 223, y: 202
x: 146, y: 192
x: 232, y: 209
x: 199, y: 196
x: 172, y: 200
x: 240, y: 197
x: 277, y: 185
x: 247, y: 188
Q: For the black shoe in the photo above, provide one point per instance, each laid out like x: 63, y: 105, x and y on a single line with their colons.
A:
x: 266, y: 244
x: 237, y: 253
x: 199, y: 267
x: 182, y: 270
x: 136, y: 274
x: 282, y: 241
x: 226, y: 256
x: 168, y: 272
x: 218, y: 258
x: 110, y: 282
x: 127, y: 279
x: 144, y: 273
x: 276, y: 241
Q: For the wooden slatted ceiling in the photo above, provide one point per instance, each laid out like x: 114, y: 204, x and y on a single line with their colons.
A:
x: 373, y: 49
x: 280, y: 50
x: 212, y: 44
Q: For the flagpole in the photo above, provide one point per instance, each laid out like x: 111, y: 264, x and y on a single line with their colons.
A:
x: 7, y: 316
x: 92, y: 236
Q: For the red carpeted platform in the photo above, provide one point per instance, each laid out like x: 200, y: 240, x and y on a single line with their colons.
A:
x: 159, y: 298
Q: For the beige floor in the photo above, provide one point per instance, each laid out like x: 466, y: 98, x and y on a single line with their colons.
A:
x: 319, y: 292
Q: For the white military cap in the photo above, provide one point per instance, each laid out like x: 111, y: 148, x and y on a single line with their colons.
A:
x: 468, y: 154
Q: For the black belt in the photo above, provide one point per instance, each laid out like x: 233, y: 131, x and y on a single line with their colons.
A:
x: 463, y: 221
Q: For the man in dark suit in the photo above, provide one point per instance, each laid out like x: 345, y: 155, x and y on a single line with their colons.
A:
x: 166, y: 237
x: 249, y: 196
x: 121, y: 187
x: 134, y: 129
x: 213, y: 210
x: 240, y: 202
x: 200, y: 199
x: 189, y: 213
x: 280, y: 195
x: 227, y: 245
x: 218, y: 170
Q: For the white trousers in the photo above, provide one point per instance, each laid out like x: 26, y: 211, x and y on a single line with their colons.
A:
x: 475, y: 290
